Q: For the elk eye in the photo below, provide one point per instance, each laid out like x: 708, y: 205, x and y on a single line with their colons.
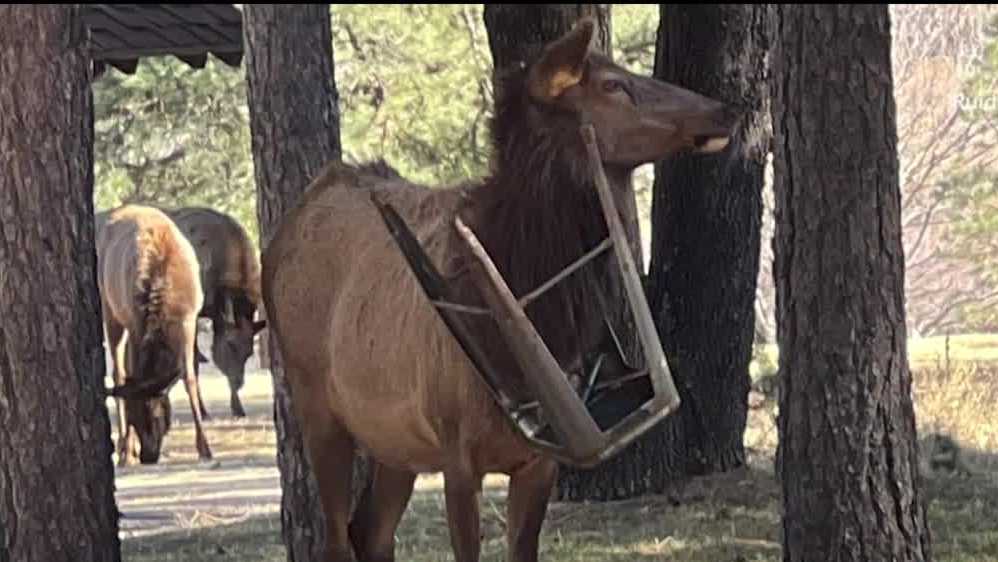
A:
x: 613, y: 86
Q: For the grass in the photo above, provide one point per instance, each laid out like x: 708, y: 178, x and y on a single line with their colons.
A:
x: 922, y: 352
x: 728, y: 517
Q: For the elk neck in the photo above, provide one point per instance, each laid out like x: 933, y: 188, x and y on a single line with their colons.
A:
x: 535, y: 216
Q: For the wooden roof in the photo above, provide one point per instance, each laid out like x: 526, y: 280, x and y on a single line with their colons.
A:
x: 121, y: 34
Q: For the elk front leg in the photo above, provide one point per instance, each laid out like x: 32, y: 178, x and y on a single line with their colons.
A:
x: 461, y: 492
x: 198, y: 359
x: 194, y: 395
x: 529, y: 491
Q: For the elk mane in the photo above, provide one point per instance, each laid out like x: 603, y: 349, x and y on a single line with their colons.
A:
x: 151, y: 298
x: 539, y: 211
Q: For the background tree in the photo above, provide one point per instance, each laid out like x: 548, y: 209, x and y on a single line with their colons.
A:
x: 518, y: 33
x: 705, y: 250
x: 947, y: 145
x: 174, y: 135
x: 150, y: 143
x: 52, y: 409
x: 847, y: 454
x: 957, y: 251
x: 170, y: 135
x: 391, y: 76
x: 294, y: 124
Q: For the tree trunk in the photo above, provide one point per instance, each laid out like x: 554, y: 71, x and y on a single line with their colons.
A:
x: 518, y: 32
x: 295, y: 130
x: 847, y: 453
x: 705, y: 259
x: 56, y: 474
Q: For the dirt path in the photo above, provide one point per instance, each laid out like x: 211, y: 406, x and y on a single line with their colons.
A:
x: 172, y: 498
x: 182, y: 493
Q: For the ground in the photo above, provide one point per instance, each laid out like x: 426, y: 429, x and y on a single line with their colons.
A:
x: 228, y: 509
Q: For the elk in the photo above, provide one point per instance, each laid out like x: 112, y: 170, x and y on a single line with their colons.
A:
x: 230, y: 278
x: 150, y: 288
x: 371, y: 367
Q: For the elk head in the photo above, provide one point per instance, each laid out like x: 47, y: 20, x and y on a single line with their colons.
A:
x: 151, y: 419
x: 233, y: 332
x: 637, y: 119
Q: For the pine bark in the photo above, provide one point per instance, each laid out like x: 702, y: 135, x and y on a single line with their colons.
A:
x: 847, y: 456
x: 295, y: 131
x: 706, y: 219
x: 56, y: 473
x: 518, y: 32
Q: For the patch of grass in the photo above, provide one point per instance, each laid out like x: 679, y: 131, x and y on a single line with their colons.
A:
x: 959, y: 400
x: 922, y: 352
x: 962, y: 516
x: 980, y: 348
x: 258, y: 539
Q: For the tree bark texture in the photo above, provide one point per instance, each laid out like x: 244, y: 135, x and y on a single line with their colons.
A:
x: 518, y: 32
x: 705, y: 258
x: 56, y: 474
x: 295, y: 131
x: 847, y: 453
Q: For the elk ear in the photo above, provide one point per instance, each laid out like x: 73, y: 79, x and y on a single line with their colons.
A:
x: 563, y: 62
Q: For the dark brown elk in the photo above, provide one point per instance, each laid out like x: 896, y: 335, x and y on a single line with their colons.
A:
x: 150, y: 288
x: 230, y: 278
x: 371, y: 366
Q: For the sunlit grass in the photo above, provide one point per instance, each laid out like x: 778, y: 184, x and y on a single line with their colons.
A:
x: 922, y: 352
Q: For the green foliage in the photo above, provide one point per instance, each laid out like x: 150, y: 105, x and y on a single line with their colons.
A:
x: 415, y: 88
x: 171, y: 135
x: 635, y: 30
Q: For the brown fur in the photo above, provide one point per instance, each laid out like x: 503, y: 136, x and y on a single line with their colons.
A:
x: 370, y: 363
x: 150, y: 292
x: 230, y: 276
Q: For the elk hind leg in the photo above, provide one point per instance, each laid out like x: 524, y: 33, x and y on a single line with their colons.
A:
x: 330, y: 449
x: 372, y: 530
x: 117, y: 340
x: 194, y: 396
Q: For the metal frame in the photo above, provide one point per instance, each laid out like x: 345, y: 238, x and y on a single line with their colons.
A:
x: 560, y: 421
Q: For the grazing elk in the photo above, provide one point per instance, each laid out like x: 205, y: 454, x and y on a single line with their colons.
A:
x: 150, y: 295
x: 370, y: 364
x: 230, y: 278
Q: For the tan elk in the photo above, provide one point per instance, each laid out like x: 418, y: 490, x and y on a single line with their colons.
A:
x: 150, y: 295
x: 371, y: 366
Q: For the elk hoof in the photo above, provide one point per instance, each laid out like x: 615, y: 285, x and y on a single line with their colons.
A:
x: 128, y: 460
x: 204, y: 453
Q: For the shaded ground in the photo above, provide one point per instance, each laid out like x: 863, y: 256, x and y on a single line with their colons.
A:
x: 183, y: 510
